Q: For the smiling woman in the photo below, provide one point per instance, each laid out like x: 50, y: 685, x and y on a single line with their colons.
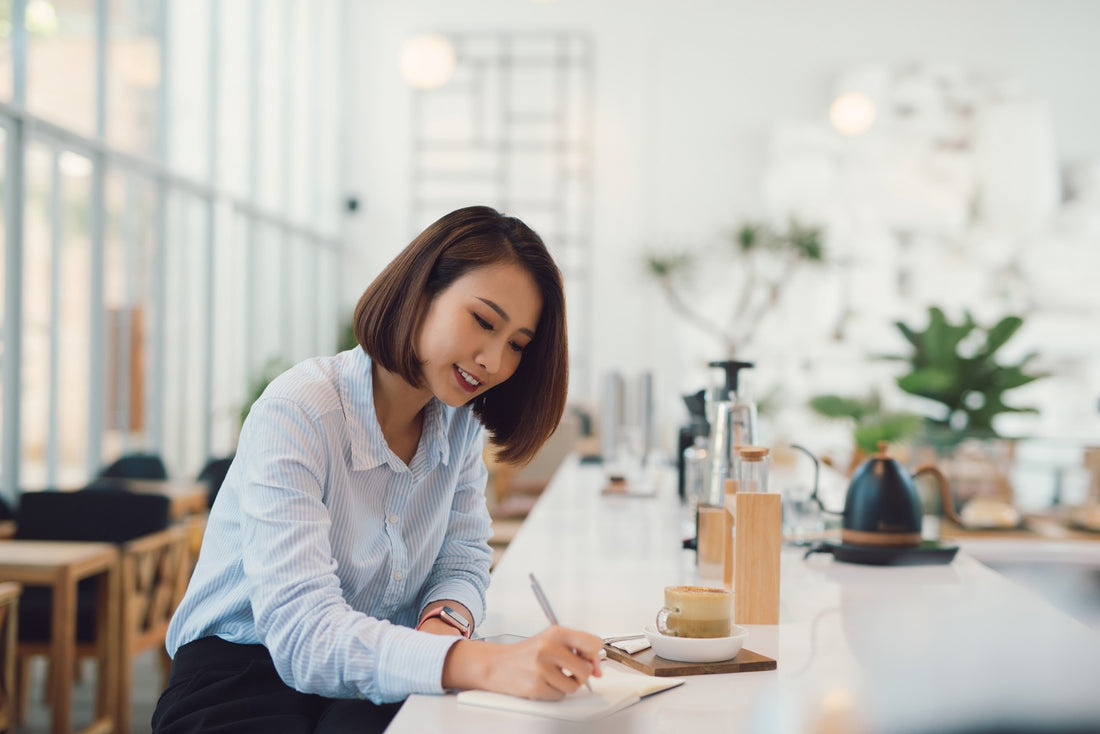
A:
x: 514, y: 258
x: 353, y: 523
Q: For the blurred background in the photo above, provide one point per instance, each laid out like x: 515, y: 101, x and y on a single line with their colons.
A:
x: 196, y: 192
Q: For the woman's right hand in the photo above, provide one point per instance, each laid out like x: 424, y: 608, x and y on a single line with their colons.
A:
x: 547, y: 666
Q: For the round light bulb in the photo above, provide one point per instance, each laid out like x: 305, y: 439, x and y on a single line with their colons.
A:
x: 427, y: 60
x: 852, y: 113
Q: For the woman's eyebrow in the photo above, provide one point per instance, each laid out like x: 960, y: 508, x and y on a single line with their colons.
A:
x: 503, y: 314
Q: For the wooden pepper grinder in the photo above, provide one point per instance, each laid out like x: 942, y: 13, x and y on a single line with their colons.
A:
x: 756, y: 542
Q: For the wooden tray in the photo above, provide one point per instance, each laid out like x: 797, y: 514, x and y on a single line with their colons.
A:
x: 650, y: 663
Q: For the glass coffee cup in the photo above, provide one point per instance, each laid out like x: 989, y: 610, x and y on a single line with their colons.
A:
x: 695, y: 611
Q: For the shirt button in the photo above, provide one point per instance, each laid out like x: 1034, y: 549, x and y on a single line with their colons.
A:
x: 396, y: 575
x: 392, y: 519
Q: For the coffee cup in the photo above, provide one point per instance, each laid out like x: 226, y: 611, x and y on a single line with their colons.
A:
x: 695, y: 611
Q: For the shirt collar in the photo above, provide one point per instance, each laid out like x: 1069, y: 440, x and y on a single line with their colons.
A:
x: 368, y: 446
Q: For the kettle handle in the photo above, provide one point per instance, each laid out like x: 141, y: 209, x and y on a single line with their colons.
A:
x: 945, y: 490
x: 817, y: 478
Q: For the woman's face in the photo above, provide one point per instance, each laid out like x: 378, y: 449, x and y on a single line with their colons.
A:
x: 476, y: 330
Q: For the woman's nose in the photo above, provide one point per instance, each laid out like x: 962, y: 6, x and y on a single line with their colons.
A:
x: 490, y: 357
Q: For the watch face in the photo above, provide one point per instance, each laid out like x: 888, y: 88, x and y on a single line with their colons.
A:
x: 454, y: 618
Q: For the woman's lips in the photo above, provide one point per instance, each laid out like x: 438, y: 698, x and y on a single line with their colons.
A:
x: 462, y: 381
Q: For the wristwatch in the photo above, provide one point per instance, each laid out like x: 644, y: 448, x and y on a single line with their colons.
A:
x: 451, y: 617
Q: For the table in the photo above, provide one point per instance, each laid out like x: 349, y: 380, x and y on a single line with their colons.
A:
x: 921, y: 648
x: 60, y: 565
x: 186, y: 497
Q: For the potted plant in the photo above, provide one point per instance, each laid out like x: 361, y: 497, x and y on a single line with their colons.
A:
x: 955, y: 368
x: 764, y: 261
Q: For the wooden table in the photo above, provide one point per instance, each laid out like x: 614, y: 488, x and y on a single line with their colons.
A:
x: 186, y: 497
x: 60, y: 565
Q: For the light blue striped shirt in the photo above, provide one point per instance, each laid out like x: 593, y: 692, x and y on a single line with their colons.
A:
x: 324, y: 546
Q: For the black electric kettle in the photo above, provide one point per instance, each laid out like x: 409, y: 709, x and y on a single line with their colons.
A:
x: 883, y: 508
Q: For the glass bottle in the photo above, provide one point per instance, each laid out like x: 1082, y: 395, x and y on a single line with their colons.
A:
x: 754, y: 469
x: 696, y: 472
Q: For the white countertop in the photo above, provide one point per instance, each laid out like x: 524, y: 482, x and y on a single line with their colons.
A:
x: 901, y: 649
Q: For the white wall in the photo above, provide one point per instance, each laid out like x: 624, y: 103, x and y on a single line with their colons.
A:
x: 688, y: 93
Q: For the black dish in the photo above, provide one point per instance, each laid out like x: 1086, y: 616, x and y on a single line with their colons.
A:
x: 929, y: 552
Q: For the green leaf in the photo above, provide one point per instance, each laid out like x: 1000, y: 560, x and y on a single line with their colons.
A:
x: 748, y: 236
x: 887, y: 427
x: 927, y: 382
x: 1001, y: 333
x: 664, y: 266
x: 836, y: 406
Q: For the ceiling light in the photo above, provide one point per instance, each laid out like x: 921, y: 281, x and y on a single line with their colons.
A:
x: 427, y: 60
x: 852, y: 113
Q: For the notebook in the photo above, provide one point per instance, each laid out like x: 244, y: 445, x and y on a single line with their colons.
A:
x: 613, y: 692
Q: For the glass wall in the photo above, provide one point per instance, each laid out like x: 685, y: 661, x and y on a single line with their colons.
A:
x: 170, y: 207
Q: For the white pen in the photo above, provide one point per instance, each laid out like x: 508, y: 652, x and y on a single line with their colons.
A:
x: 547, y: 610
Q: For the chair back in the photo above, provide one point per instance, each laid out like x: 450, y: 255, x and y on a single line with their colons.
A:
x: 105, y: 515
x: 214, y: 474
x: 137, y: 466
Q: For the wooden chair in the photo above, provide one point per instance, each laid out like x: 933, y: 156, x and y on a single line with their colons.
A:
x: 9, y: 620
x: 155, y: 571
x: 155, y: 568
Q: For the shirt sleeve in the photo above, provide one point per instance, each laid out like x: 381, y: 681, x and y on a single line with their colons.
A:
x: 319, y: 644
x: 461, y: 569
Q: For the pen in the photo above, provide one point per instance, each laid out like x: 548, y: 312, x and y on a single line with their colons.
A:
x: 546, y: 608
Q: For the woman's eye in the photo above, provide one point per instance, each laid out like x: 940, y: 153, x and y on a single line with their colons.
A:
x: 483, y: 323
x: 515, y: 347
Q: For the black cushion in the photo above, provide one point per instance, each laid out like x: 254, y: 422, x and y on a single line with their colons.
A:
x: 214, y: 474
x: 107, y: 514
x: 34, y: 612
x: 137, y: 466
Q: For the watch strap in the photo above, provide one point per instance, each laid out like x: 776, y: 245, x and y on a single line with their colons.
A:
x: 450, y: 617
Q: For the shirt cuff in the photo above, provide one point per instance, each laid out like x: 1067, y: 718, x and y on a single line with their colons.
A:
x: 412, y: 662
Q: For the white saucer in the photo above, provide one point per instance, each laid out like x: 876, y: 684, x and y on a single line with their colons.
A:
x: 696, y: 649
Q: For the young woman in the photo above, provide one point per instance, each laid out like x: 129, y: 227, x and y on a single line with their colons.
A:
x: 346, y: 558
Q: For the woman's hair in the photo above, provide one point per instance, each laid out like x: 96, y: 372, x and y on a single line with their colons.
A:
x: 520, y: 413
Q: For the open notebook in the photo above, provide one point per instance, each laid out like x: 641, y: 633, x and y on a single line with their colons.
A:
x: 614, y: 691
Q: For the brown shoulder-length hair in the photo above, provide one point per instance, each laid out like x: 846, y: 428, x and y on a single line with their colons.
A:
x: 520, y: 413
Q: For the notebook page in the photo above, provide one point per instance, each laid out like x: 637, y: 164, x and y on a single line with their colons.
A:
x: 614, y: 691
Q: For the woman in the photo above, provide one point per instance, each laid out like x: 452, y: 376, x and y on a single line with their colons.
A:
x: 354, y: 510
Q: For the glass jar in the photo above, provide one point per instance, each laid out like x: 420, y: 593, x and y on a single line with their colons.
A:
x: 754, y: 469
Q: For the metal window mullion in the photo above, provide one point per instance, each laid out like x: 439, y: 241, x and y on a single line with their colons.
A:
x: 288, y: 330
x: 155, y: 400
x: 126, y: 315
x: 252, y: 240
x: 211, y: 232
x: 13, y: 305
x: 96, y: 371
x: 97, y: 215
x: 19, y: 52
x: 56, y: 235
x: 186, y: 266
x: 316, y: 187
x: 101, y: 69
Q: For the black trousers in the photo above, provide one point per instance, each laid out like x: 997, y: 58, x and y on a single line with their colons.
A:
x: 218, y: 686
